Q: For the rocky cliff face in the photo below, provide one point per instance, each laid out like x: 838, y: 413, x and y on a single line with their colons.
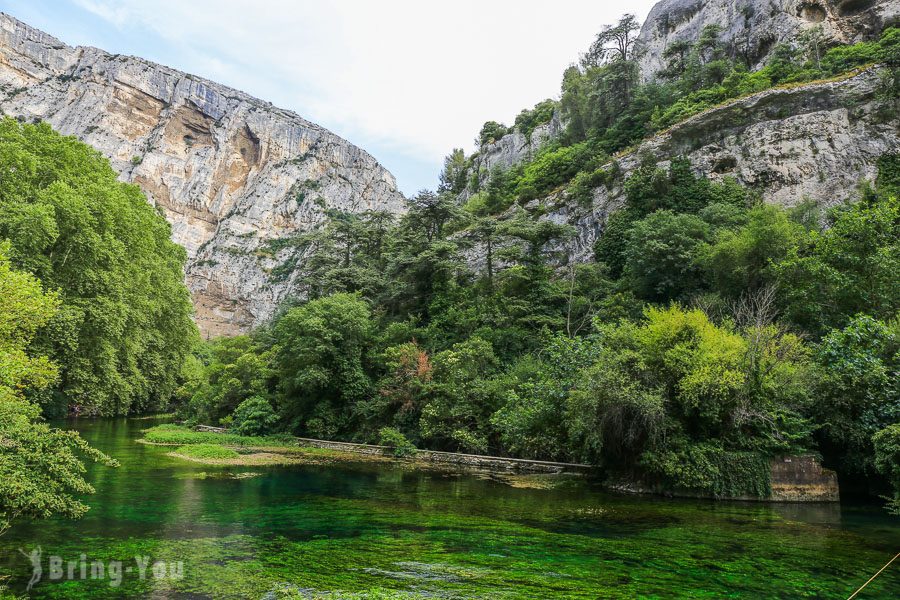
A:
x: 814, y: 142
x: 513, y: 149
x: 231, y: 173
x: 752, y: 28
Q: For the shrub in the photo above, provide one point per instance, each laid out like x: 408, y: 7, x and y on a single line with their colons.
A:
x: 491, y: 132
x: 392, y: 438
x: 528, y: 120
x: 552, y: 168
x: 254, y: 416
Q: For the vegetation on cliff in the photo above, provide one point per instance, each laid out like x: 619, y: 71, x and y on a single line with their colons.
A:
x: 606, y: 107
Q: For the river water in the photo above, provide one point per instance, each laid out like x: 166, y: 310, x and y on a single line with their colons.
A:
x: 375, y: 531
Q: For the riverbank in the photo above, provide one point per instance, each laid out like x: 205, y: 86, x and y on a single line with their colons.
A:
x: 227, y: 449
x: 215, y: 447
x: 798, y: 479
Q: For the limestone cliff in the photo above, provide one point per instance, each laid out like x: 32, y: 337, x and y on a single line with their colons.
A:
x: 231, y: 173
x: 752, y: 28
x: 512, y: 149
x: 813, y: 142
x: 749, y: 28
x: 817, y: 141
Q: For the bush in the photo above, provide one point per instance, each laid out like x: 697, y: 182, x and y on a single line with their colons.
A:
x: 392, y: 438
x: 528, y: 120
x: 254, y: 416
x: 552, y: 168
x: 491, y: 132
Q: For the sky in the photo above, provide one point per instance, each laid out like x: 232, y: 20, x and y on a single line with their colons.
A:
x: 406, y: 80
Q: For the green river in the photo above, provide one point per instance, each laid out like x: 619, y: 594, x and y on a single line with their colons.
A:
x: 376, y: 531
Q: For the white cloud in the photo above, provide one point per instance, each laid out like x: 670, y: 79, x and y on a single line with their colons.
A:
x: 413, y: 76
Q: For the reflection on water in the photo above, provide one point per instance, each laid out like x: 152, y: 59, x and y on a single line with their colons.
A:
x: 353, y: 528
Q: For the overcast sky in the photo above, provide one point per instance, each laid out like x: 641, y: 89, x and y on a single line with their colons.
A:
x: 406, y: 80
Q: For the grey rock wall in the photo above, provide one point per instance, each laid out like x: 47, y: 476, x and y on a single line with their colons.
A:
x: 230, y: 172
x: 814, y: 142
x: 753, y: 28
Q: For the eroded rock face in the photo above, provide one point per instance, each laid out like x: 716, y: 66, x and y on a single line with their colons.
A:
x: 815, y: 142
x: 231, y: 173
x: 752, y: 28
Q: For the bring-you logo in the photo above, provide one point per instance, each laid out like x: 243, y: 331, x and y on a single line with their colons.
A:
x: 56, y: 568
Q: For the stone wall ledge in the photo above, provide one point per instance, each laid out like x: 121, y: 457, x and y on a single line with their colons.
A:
x: 794, y: 479
x: 469, y: 461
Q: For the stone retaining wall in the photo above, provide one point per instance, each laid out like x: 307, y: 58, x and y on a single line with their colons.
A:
x: 802, y: 479
x: 792, y: 478
x: 467, y: 461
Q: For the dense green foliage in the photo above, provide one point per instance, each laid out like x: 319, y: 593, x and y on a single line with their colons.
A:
x: 887, y: 460
x: 254, y: 416
x: 41, y: 473
x: 687, y: 401
x: 689, y: 368
x: 710, y: 334
x: 123, y: 326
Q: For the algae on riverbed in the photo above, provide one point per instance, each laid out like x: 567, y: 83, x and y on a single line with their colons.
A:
x: 357, y: 530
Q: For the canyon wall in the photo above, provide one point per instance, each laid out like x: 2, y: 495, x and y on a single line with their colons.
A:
x: 233, y: 175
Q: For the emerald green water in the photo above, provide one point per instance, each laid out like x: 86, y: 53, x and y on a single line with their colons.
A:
x: 356, y: 528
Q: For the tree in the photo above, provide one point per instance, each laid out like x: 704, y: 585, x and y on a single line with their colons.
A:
x: 490, y: 132
x: 400, y: 392
x: 124, y: 324
x: 676, y: 56
x: 319, y: 357
x: 456, y: 168
x: 662, y: 256
x: 743, y: 260
x: 708, y: 47
x: 613, y: 43
x: 461, y: 397
x: 848, y: 269
x: 858, y: 391
x: 346, y: 254
x: 234, y: 370
x: 254, y: 416
x: 531, y: 423
x: 486, y: 232
x: 41, y: 472
x: 420, y: 259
